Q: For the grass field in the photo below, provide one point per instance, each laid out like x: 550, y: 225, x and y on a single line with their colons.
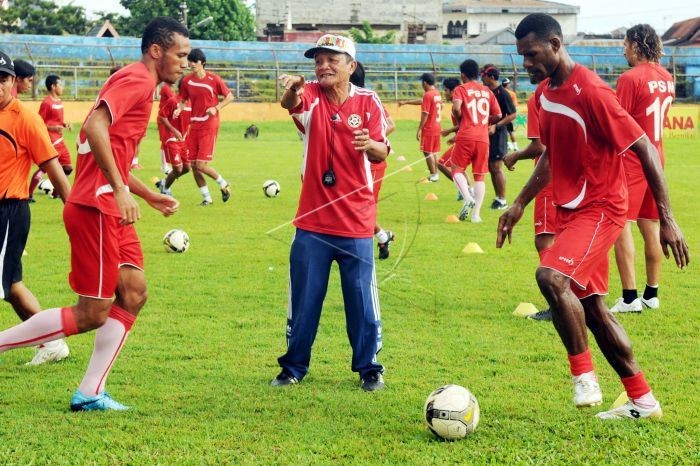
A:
x: 197, y: 364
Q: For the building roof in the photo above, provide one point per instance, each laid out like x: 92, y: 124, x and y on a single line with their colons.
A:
x: 505, y: 36
x: 105, y: 29
x: 512, y: 6
x: 683, y: 33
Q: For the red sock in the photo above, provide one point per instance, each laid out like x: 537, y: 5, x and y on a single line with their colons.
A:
x: 70, y: 327
x: 636, y: 386
x: 581, y: 363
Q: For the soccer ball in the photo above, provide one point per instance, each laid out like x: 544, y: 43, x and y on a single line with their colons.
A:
x: 176, y: 241
x: 451, y: 412
x: 271, y: 188
x: 46, y: 187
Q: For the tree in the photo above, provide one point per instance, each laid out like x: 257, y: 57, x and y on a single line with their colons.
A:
x: 43, y: 17
x: 232, y: 19
x: 365, y: 35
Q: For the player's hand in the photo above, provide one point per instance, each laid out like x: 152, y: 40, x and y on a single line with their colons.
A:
x: 451, y: 140
x: 294, y: 83
x: 362, y: 140
x: 418, y: 136
x: 492, y: 130
x: 212, y: 110
x: 510, y: 160
x: 128, y: 208
x: 68, y: 126
x: 167, y: 205
x: 176, y: 112
x: 671, y: 237
x: 507, y: 222
x: 178, y: 135
x: 444, y: 132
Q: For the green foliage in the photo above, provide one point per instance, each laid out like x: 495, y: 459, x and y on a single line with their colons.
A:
x: 366, y: 35
x: 232, y: 19
x: 43, y: 17
x: 196, y: 365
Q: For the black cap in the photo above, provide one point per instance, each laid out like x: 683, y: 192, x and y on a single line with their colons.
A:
x: 6, y: 64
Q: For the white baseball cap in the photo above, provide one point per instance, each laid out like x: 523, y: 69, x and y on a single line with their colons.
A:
x: 333, y: 42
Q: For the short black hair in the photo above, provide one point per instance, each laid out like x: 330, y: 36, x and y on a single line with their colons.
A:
x: 197, y: 55
x: 428, y: 78
x: 358, y: 76
x: 450, y: 83
x: 24, y: 69
x: 469, y: 68
x: 160, y: 32
x: 542, y: 25
x: 51, y: 80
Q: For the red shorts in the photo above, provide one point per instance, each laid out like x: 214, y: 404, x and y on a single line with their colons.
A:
x: 99, y: 246
x: 176, y: 153
x: 468, y: 152
x: 446, y: 159
x: 63, y: 154
x: 430, y: 143
x: 582, y: 243
x: 641, y: 202
x: 377, y: 171
x: 545, y: 213
x: 200, y: 144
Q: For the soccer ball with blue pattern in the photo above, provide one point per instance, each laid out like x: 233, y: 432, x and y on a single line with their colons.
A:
x: 451, y: 412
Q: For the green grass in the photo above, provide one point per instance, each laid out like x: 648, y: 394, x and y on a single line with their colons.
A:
x: 196, y: 367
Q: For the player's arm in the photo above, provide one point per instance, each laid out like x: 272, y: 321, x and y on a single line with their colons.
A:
x: 670, y: 233
x: 390, y: 126
x: 165, y: 122
x: 293, y: 89
x: 217, y: 108
x: 423, y: 120
x: 97, y: 132
x: 167, y: 205
x: 375, y: 150
x: 457, y: 110
x: 532, y: 150
x: 58, y: 178
x: 410, y: 102
x: 538, y: 180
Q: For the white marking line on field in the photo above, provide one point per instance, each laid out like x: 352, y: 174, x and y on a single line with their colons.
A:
x: 279, y: 227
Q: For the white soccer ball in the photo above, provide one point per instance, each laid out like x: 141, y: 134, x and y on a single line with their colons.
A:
x: 271, y: 188
x: 176, y: 241
x: 451, y: 412
x: 46, y: 187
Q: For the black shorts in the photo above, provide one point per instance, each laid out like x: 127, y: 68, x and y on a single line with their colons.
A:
x: 498, y: 144
x: 509, y: 127
x: 14, y: 230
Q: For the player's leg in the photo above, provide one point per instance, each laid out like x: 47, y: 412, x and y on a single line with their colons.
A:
x: 544, y: 215
x: 34, y: 182
x: 430, y: 162
x: 497, y: 150
x: 362, y: 314
x: 653, y: 255
x: 310, y: 261
x: 444, y: 163
x: 384, y: 237
x: 624, y: 257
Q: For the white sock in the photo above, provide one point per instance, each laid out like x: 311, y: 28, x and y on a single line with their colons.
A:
x: 205, y: 193
x: 222, y: 182
x: 40, y: 328
x: 109, y: 340
x: 646, y: 401
x: 479, y: 193
x: 382, y: 236
x: 461, y: 182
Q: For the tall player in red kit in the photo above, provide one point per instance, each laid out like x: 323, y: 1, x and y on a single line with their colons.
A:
x: 585, y: 132
x: 203, y: 88
x: 106, y: 257
x: 646, y: 92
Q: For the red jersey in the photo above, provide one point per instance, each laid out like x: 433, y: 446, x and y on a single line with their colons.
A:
x: 381, y: 165
x: 203, y: 93
x: 51, y: 111
x: 166, y: 93
x: 477, y: 103
x: 585, y: 130
x: 646, y: 92
x: 347, y: 208
x: 432, y: 105
x: 533, y: 132
x: 181, y: 123
x: 128, y: 95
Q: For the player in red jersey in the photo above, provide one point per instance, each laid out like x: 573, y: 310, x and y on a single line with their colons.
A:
x: 106, y: 256
x: 585, y: 130
x: 176, y: 130
x: 646, y: 92
x: 545, y: 211
x: 344, y: 131
x: 24, y: 77
x: 203, y: 88
x: 476, y: 108
x: 428, y: 133
x: 51, y: 111
x: 165, y: 94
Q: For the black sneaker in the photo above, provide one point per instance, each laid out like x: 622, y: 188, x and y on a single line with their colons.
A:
x: 384, y: 247
x: 499, y: 205
x: 226, y: 192
x: 31, y: 200
x: 158, y: 185
x: 205, y: 203
x: 542, y: 316
x: 283, y: 379
x: 373, y: 381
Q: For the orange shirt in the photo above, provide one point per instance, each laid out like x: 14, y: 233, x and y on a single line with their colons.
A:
x: 23, y: 140
x: 513, y: 96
